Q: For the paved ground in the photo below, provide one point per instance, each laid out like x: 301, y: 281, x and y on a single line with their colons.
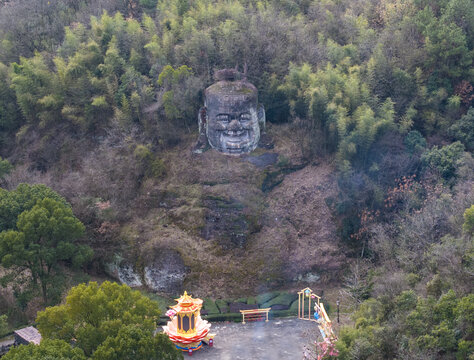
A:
x: 280, y: 339
x: 5, y: 346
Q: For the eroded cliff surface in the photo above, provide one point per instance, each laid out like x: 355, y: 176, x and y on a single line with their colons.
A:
x: 237, y: 224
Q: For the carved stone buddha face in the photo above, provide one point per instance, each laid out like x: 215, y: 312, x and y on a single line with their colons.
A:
x: 230, y: 117
x: 232, y: 123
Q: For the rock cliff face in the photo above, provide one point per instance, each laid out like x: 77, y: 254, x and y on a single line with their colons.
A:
x: 215, y: 221
x: 225, y: 222
x: 165, y: 271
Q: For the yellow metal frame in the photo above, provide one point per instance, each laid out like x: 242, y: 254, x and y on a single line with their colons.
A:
x: 306, y: 292
x: 324, y: 323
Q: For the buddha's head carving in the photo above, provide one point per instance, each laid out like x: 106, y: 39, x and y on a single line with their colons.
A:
x: 231, y: 118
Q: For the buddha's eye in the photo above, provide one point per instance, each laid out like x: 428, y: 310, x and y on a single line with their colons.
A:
x: 223, y: 117
x: 245, y: 117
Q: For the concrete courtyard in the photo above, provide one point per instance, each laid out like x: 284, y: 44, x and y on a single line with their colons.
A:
x: 280, y: 339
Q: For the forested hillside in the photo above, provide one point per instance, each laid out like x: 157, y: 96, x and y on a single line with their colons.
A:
x: 369, y: 108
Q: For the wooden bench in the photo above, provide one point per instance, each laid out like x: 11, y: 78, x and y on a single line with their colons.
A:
x: 255, y: 314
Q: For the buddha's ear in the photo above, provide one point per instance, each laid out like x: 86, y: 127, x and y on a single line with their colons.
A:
x: 202, y: 119
x: 261, y: 117
x: 202, y: 143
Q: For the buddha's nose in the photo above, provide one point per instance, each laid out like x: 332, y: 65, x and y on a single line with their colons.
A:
x: 234, y: 125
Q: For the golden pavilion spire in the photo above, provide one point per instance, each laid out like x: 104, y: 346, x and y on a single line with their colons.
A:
x: 187, y: 329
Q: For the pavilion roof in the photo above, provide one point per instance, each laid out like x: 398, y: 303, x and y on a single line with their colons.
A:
x: 187, y: 303
x: 29, y: 334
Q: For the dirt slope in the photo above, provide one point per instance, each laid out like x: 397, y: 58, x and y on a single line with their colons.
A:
x: 299, y: 223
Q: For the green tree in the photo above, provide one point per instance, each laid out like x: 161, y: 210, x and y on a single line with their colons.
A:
x: 415, y: 142
x: 4, y: 328
x: 95, y: 316
x: 463, y: 129
x: 10, y: 117
x: 178, y: 93
x: 462, y: 14
x: 336, y: 108
x: 468, y: 225
x: 445, y: 159
x: 24, y: 197
x: 446, y: 45
x: 389, y: 328
x: 5, y: 167
x: 133, y: 342
x: 47, y: 350
x: 465, y: 315
x: 148, y: 5
x: 44, y: 237
x: 35, y: 87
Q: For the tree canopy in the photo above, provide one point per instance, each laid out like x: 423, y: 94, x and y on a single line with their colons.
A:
x: 107, y: 321
x: 47, y: 350
x: 41, y: 234
x: 96, y: 97
x: 134, y: 342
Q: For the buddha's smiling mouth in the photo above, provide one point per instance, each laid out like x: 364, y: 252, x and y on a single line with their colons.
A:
x: 235, y: 141
x: 235, y: 134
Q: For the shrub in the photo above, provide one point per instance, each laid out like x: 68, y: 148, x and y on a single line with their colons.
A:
x: 468, y: 225
x: 3, y: 325
x: 210, y: 306
x: 463, y: 129
x: 263, y: 298
x: 282, y: 299
x: 5, y: 167
x: 415, y: 142
x: 222, y: 305
x: 445, y: 159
